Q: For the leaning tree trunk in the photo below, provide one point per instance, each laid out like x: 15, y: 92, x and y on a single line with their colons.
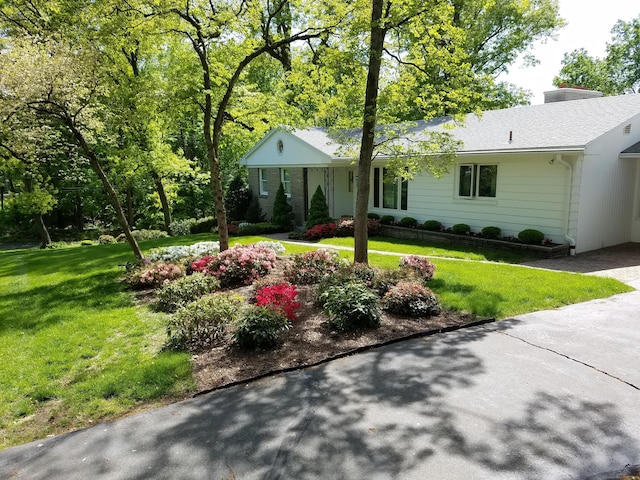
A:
x: 378, y: 32
x: 115, y: 202
x: 45, y: 238
x: 166, y: 211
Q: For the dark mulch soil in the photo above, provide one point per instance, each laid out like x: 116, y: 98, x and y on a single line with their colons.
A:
x: 307, y: 342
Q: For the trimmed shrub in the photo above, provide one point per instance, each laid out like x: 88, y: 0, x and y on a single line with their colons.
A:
x: 238, y: 265
x: 311, y: 267
x: 318, y: 209
x: 492, y: 232
x: 259, y: 327
x: 237, y: 199
x: 203, y: 323
x: 373, y: 216
x: 432, y: 225
x: 106, y: 239
x: 387, y: 220
x: 321, y: 231
x: 412, y: 299
x: 531, y: 236
x: 297, y: 235
x: 421, y: 265
x: 86, y: 243
x: 182, y: 227
x: 254, y: 213
x: 179, y: 293
x: 282, y: 211
x: 144, y: 234
x: 351, y: 306
x: 461, y: 229
x: 281, y: 297
x: 408, y: 222
x: 352, y: 272
x: 204, y: 225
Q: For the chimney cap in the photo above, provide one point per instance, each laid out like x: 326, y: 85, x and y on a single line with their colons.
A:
x: 564, y: 94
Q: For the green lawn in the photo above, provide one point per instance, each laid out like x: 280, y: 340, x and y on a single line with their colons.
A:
x: 75, y: 349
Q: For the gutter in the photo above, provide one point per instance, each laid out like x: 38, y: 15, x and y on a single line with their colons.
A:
x: 571, y: 240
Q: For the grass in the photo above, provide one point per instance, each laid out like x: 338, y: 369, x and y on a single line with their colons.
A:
x: 75, y: 349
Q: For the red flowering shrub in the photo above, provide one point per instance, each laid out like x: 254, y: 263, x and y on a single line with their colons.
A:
x: 237, y: 265
x: 317, y: 232
x: 281, y: 298
x: 311, y: 267
x: 421, y: 265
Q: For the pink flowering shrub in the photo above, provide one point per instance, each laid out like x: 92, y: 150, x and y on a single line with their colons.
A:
x: 153, y: 275
x: 421, y: 265
x: 345, y: 227
x: 238, y: 265
x: 317, y: 232
x: 281, y: 298
x: 411, y: 298
x: 311, y: 267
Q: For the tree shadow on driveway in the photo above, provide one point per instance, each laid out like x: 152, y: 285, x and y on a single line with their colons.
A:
x: 436, y: 407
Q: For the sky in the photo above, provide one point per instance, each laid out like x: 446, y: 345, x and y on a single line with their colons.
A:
x: 589, y: 24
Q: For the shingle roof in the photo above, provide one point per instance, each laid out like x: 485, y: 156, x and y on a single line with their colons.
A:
x: 550, y: 126
x: 633, y: 149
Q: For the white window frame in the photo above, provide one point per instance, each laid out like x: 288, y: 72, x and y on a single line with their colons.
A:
x: 286, y: 183
x: 474, y: 193
x: 263, y: 181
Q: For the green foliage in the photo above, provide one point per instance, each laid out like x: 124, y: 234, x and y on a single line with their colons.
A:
x: 204, y: 322
x: 461, y: 229
x: 182, y: 227
x: 259, y: 327
x: 432, y: 225
x: 180, y: 292
x: 373, y: 216
x: 86, y: 243
x: 318, y: 210
x: 411, y: 298
x: 204, y: 225
x: 351, y: 306
x: 254, y: 213
x: 492, y: 232
x: 408, y: 222
x: 145, y: 234
x: 531, y: 236
x: 387, y: 220
x: 387, y: 278
x: 282, y: 211
x: 106, y: 239
x: 237, y: 199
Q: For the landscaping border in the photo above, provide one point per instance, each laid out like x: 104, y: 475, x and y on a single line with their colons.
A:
x: 540, y: 251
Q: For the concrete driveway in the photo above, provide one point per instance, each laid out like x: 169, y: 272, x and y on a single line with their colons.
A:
x: 548, y: 395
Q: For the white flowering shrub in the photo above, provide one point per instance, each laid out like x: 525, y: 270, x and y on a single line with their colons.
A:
x: 178, y: 252
x: 275, y: 246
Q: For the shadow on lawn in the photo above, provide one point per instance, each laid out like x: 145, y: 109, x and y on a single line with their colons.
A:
x: 383, y: 414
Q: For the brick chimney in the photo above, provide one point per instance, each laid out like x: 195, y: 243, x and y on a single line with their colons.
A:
x: 564, y: 94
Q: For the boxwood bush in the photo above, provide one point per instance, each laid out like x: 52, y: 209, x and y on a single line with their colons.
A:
x: 531, y: 236
x: 408, y: 222
x: 387, y: 220
x: 432, y: 225
x: 492, y: 232
x: 461, y: 229
x: 351, y: 306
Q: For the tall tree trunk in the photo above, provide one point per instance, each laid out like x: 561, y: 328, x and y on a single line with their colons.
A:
x: 115, y: 202
x: 130, y: 204
x: 166, y: 211
x: 45, y: 238
x: 78, y: 212
x: 378, y: 32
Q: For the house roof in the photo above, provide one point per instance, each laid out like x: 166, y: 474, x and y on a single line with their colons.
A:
x: 558, y: 126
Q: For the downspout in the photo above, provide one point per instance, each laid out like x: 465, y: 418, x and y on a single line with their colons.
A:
x: 570, y: 239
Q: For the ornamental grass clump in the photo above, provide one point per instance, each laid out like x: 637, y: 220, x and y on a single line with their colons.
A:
x: 204, y: 322
x: 180, y: 292
x: 239, y: 265
x: 419, y: 264
x: 259, y: 327
x: 351, y: 306
x: 311, y: 267
x: 281, y: 298
x: 412, y: 299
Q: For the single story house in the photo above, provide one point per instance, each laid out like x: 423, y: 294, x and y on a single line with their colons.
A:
x: 569, y: 167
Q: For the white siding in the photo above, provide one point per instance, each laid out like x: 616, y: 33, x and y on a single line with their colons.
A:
x: 295, y: 153
x: 343, y: 199
x: 531, y: 193
x: 607, y: 191
x: 635, y: 226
